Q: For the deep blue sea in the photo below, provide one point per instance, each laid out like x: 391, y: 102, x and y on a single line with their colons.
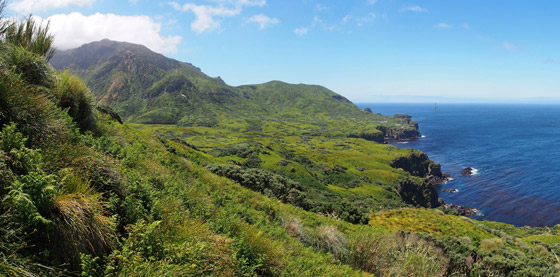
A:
x: 514, y: 147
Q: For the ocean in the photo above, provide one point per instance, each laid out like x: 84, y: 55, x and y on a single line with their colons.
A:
x: 515, y: 149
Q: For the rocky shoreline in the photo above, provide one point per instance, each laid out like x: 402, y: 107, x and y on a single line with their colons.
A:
x: 463, y: 210
x: 418, y: 164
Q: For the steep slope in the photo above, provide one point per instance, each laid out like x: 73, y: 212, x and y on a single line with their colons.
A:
x: 146, y: 87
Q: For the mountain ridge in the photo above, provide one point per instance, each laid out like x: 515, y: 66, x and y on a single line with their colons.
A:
x: 146, y: 87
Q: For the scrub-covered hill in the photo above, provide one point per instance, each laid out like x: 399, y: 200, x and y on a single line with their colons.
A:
x: 146, y: 87
x: 83, y: 194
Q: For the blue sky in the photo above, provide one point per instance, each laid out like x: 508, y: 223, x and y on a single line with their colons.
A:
x: 366, y: 50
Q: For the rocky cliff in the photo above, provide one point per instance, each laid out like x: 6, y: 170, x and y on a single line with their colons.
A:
x: 406, y: 129
x: 418, y: 164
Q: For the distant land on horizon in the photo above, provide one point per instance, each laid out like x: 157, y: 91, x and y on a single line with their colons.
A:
x: 456, y: 100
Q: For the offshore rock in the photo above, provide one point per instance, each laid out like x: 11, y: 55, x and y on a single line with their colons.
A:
x: 468, y: 171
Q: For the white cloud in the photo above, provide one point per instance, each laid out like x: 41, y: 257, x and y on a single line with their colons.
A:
x: 31, y: 6
x: 319, y: 23
x: 263, y: 20
x: 320, y: 7
x: 510, y: 47
x: 443, y: 26
x: 371, y: 2
x: 205, y: 14
x: 251, y: 3
x: 364, y: 20
x: 74, y: 29
x: 301, y: 31
x: 417, y: 9
x: 346, y: 18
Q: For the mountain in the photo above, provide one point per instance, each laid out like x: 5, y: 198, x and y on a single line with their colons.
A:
x: 146, y: 87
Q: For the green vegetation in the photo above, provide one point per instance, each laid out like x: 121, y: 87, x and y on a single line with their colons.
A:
x: 145, y: 87
x: 83, y: 194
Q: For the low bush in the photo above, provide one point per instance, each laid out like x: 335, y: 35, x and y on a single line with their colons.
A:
x: 270, y: 184
x: 73, y: 96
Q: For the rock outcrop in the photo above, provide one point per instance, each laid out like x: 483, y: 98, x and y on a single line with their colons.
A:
x: 401, y: 134
x: 419, y: 165
x: 463, y: 210
x: 421, y: 194
x: 468, y: 171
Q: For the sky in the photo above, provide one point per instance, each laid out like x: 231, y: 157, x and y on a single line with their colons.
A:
x: 366, y: 50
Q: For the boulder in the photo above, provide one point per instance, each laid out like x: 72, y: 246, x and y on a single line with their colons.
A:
x: 468, y: 171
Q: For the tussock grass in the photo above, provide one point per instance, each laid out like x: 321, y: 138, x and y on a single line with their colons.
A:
x: 81, y: 226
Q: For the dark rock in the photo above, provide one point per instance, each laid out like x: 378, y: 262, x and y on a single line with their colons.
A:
x: 423, y: 194
x: 463, y: 210
x: 468, y: 171
x: 439, y: 179
x: 418, y: 164
x: 378, y: 137
x: 401, y: 134
x: 451, y: 190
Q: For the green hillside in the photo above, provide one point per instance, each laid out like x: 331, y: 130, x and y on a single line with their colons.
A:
x: 145, y: 87
x: 271, y: 194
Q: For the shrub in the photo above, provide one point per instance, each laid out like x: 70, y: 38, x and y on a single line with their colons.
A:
x: 343, y: 210
x: 267, y: 183
x: 73, y: 96
x: 81, y: 226
x: 32, y: 68
x: 328, y: 238
x: 36, y: 116
x: 31, y: 36
x: 399, y: 254
x: 295, y: 229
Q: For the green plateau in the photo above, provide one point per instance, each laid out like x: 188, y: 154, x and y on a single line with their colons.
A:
x: 118, y: 161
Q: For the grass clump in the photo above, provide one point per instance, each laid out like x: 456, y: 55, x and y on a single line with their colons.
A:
x: 73, y: 95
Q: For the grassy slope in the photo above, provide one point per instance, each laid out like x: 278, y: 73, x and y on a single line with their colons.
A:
x: 368, y: 180
x: 137, y: 199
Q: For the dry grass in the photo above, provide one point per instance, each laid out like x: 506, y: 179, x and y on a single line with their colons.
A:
x: 81, y: 226
x: 399, y: 254
x: 295, y: 229
x: 328, y: 238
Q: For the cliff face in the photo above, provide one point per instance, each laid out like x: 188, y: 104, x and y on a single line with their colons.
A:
x: 399, y: 134
x: 423, y: 194
x: 419, y: 165
x: 407, y: 131
x: 378, y: 137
